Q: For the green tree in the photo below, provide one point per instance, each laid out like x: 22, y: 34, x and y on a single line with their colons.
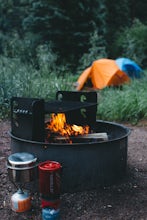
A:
x: 131, y: 42
x: 138, y: 9
x: 67, y: 24
x: 117, y: 18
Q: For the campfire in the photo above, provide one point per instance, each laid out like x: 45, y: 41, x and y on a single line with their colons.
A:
x: 72, y: 116
x: 59, y: 131
x: 69, y: 120
x: 92, y: 152
x: 57, y: 127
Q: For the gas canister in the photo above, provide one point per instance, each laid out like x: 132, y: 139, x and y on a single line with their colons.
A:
x: 20, y: 201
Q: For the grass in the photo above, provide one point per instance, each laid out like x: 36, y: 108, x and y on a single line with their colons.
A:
x: 18, y: 79
x: 128, y: 104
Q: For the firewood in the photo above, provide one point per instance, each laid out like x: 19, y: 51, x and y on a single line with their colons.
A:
x: 102, y: 136
x: 95, y: 136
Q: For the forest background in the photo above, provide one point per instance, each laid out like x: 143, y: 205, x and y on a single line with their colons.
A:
x: 45, y: 45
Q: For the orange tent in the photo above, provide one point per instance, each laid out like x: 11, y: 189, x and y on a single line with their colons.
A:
x: 102, y: 73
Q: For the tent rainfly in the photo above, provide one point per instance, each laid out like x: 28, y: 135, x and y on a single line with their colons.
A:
x: 102, y: 73
x: 129, y: 67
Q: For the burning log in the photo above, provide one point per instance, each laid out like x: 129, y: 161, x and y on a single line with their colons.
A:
x: 83, y: 138
x: 58, y: 131
x: 99, y: 136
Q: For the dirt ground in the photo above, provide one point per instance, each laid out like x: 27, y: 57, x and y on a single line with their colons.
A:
x: 126, y: 200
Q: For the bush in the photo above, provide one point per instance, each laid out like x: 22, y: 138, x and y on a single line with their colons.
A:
x: 46, y: 59
x: 131, y: 42
x: 96, y: 51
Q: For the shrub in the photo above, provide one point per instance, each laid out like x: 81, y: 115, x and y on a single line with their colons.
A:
x: 46, y: 59
x: 131, y: 42
x: 96, y: 50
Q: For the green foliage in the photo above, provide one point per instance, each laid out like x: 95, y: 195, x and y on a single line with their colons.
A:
x: 12, y: 13
x: 46, y: 59
x: 96, y: 50
x: 18, y: 79
x: 132, y: 43
x: 13, y: 46
x: 117, y: 18
x: 69, y: 27
x: 138, y: 10
x: 67, y: 24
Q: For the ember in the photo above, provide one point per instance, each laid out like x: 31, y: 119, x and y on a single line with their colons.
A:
x: 58, y: 126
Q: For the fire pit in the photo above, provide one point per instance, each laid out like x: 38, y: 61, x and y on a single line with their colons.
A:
x: 87, y: 162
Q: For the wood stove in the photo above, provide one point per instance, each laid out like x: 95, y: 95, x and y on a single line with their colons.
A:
x: 86, y: 164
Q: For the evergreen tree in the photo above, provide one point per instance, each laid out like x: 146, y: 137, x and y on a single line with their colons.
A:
x: 117, y: 18
x: 68, y: 24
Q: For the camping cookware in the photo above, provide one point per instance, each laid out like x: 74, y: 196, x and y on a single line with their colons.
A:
x: 22, y: 167
x: 50, y: 179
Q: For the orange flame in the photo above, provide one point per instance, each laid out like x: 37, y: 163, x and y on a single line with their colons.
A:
x: 58, y: 125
